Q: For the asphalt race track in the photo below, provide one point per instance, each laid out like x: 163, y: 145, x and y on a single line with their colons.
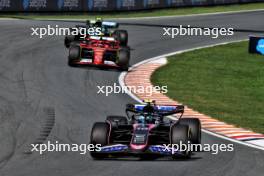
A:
x: 42, y: 99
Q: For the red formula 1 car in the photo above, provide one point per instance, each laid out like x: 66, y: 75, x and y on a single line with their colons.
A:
x: 100, y: 52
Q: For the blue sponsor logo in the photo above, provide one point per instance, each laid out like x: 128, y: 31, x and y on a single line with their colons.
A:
x: 260, y: 46
x: 169, y: 2
x: 119, y: 3
x: 60, y: 3
x: 160, y: 149
x: 90, y: 4
x: 164, y: 150
x: 167, y: 108
x: 25, y: 4
x: 145, y: 3
x: 115, y: 148
x: 140, y: 107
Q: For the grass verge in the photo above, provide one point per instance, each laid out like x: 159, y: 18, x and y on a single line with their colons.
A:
x: 148, y: 13
x: 224, y: 82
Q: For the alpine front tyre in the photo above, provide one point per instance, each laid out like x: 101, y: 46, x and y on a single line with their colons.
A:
x: 99, y: 135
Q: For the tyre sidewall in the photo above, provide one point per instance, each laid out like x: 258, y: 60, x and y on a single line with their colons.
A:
x: 195, y: 127
x: 121, y: 36
x: 74, y: 52
x: 123, y: 58
x: 180, y: 135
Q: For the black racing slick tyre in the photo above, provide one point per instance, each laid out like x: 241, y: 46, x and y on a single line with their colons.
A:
x: 74, y: 54
x: 180, y: 136
x: 123, y: 58
x: 68, y: 40
x: 195, y: 127
x: 99, y: 135
x: 117, y: 120
x: 121, y: 36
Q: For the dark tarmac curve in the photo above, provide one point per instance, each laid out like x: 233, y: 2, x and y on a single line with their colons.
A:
x: 36, y: 81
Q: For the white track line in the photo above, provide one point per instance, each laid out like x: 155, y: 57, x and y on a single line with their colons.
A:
x: 5, y: 19
x: 122, y: 83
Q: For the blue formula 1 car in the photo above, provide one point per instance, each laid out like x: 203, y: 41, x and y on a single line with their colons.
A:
x: 145, y: 131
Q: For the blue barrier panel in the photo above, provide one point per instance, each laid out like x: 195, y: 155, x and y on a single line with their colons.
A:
x: 256, y: 45
x: 103, y: 5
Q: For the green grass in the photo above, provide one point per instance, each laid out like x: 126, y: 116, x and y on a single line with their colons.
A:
x: 149, y: 13
x: 224, y: 82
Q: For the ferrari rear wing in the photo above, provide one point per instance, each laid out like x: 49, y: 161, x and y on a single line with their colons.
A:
x: 102, y: 38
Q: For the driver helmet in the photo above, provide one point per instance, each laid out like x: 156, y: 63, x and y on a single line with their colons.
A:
x: 149, y: 108
x: 141, y: 119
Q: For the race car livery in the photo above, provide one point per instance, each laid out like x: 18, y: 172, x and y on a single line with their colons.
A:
x: 100, y: 52
x: 146, y: 131
x: 107, y: 29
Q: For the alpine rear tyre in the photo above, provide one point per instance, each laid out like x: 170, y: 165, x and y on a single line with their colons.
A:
x: 180, y: 135
x: 195, y: 127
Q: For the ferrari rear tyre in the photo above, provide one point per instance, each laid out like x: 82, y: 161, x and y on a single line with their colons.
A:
x: 121, y: 36
x: 180, y: 135
x: 99, y: 135
x: 195, y: 127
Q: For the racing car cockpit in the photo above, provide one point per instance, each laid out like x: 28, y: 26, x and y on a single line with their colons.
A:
x: 107, y: 27
x: 150, y: 113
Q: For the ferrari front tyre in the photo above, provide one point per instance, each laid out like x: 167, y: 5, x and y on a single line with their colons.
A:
x: 121, y: 36
x: 180, y: 136
x: 195, y: 127
x: 123, y: 58
x: 74, y: 54
x: 99, y: 135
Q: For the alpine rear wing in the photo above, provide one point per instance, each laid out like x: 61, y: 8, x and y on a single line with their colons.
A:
x: 161, y: 109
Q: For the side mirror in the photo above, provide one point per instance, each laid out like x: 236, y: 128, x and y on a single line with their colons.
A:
x: 130, y: 106
x: 180, y: 109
